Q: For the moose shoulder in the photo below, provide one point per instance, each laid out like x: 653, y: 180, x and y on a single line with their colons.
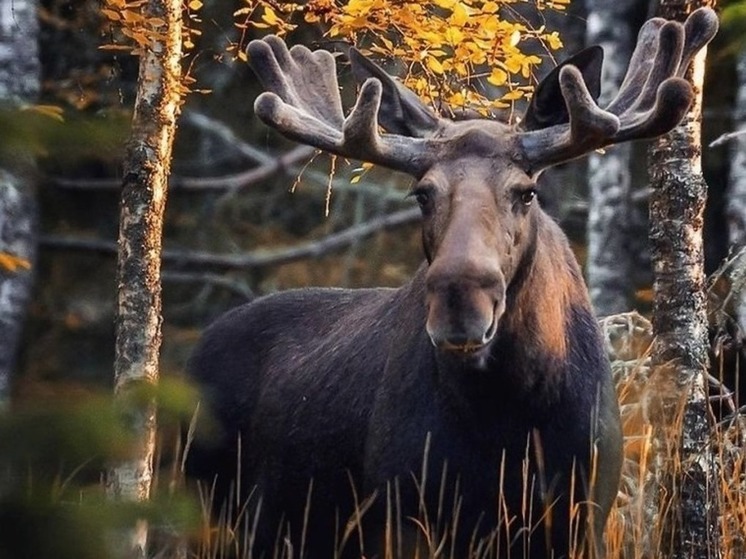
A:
x: 472, y: 409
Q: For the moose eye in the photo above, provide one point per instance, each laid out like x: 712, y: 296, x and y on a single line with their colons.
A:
x: 422, y: 196
x: 527, y: 196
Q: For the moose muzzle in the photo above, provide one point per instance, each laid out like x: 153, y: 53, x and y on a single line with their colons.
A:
x: 463, y: 310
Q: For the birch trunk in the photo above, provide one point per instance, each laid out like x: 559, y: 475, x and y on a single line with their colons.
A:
x: 684, y: 456
x: 19, y: 83
x: 143, y: 199
x: 609, y: 266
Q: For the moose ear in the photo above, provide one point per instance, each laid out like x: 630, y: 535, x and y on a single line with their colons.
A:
x: 401, y: 111
x: 547, y: 107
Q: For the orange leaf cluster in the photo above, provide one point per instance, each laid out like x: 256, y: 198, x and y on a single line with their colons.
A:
x: 11, y: 263
x: 136, y: 32
x: 457, y: 53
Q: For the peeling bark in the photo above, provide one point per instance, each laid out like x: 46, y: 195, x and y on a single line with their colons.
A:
x: 143, y: 199
x: 610, y: 264
x: 19, y: 83
x: 686, y: 464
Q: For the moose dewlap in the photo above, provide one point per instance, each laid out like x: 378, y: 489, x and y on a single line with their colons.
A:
x: 470, y: 412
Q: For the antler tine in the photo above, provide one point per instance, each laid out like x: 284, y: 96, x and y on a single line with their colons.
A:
x: 299, y: 77
x: 639, y: 65
x: 302, y: 102
x: 700, y: 28
x: 651, y: 101
x: 589, y: 124
x: 640, y: 92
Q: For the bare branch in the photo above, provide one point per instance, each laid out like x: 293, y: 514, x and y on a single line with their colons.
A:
x: 720, y: 140
x: 237, y: 287
x: 226, y: 135
x: 252, y: 260
x: 271, y: 165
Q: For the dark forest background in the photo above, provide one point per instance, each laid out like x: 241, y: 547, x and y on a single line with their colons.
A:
x: 238, y: 191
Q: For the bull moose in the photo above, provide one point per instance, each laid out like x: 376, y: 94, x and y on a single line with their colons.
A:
x: 471, y: 411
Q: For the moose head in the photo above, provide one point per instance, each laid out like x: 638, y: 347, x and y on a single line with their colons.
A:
x: 476, y: 179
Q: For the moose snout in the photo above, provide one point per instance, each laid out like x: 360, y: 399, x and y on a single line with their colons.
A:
x: 463, y: 309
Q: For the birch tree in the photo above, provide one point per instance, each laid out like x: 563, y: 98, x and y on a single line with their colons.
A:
x: 680, y: 351
x: 158, y: 33
x: 19, y: 84
x: 610, y: 264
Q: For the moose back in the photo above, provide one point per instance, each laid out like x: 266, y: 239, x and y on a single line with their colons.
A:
x: 471, y: 411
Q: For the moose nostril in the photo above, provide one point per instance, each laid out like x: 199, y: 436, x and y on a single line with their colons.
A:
x: 497, y: 312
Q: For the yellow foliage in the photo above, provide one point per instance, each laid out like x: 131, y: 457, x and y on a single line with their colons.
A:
x: 456, y: 51
x: 135, y: 33
x: 51, y: 111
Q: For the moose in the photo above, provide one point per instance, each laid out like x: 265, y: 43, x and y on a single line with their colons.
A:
x: 471, y: 411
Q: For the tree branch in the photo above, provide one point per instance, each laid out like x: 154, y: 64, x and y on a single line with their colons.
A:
x: 269, y: 167
x: 237, y: 287
x: 253, y: 260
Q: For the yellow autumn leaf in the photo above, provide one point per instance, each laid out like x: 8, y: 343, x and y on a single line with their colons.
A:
x: 195, y: 5
x: 461, y: 68
x: 514, y: 63
x: 553, y: 40
x: 131, y: 16
x: 269, y: 16
x: 13, y: 263
x: 111, y: 14
x: 434, y: 65
x: 513, y: 95
x: 453, y: 35
x: 460, y: 15
x: 498, y: 77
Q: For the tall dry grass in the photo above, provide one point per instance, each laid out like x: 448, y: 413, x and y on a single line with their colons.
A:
x: 636, y: 527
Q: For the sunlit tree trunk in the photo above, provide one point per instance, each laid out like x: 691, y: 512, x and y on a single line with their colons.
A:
x: 682, y: 429
x: 143, y: 199
x: 19, y: 83
x: 609, y: 266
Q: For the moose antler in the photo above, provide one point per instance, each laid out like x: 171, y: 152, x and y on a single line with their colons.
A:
x: 303, y: 102
x: 652, y: 100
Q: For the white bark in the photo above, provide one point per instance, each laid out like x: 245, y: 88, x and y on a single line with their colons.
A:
x: 609, y: 265
x: 19, y: 83
x: 146, y: 170
x: 19, y: 51
x: 685, y: 458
